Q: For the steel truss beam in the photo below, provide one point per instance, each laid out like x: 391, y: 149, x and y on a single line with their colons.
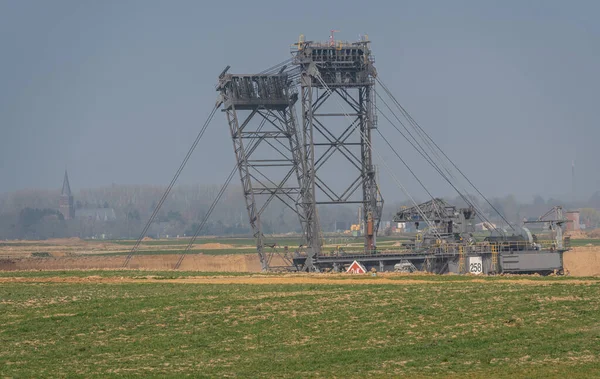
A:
x: 330, y: 78
x: 348, y: 73
x: 261, y: 108
x: 353, y: 143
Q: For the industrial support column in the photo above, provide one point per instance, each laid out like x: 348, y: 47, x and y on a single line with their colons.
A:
x: 337, y: 81
x: 371, y: 209
x: 309, y: 205
x: 266, y: 145
x: 243, y: 169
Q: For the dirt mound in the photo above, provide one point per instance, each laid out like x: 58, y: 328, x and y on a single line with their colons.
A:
x: 583, y: 261
x: 147, y: 238
x: 580, y: 234
x: 594, y: 233
x: 577, y: 234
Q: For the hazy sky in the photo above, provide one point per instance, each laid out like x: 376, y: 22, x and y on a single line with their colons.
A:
x: 116, y: 90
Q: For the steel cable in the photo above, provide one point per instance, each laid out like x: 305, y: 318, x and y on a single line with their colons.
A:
x: 253, y: 144
x: 428, y: 137
x: 435, y: 166
x: 168, y: 190
x: 318, y: 76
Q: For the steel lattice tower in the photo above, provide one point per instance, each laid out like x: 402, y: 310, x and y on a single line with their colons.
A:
x: 261, y: 117
x: 331, y: 75
x: 341, y: 74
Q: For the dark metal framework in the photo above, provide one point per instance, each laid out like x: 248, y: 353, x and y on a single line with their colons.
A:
x: 260, y: 109
x: 278, y: 158
x: 342, y: 75
x: 444, y: 220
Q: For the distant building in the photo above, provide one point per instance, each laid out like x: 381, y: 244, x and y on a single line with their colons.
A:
x: 67, y: 208
x: 574, y: 223
x: 96, y: 214
x: 65, y: 202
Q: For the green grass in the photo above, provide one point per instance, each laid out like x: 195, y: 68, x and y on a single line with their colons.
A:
x: 24, y: 244
x: 584, y: 242
x: 292, y: 242
x: 224, y: 240
x: 448, y: 327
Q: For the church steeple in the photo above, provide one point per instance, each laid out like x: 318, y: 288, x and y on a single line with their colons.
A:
x: 65, y: 203
x: 66, y: 190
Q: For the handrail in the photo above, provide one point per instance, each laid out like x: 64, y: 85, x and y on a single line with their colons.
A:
x: 457, y: 248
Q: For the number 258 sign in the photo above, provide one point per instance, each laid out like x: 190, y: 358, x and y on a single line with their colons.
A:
x: 475, y: 265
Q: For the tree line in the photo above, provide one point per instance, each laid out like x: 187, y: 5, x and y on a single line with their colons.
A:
x: 33, y: 214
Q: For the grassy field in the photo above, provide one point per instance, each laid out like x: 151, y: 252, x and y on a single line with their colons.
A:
x: 290, y: 241
x: 228, y: 246
x: 585, y: 242
x: 238, y: 245
x: 282, y: 241
x: 185, y: 241
x: 414, y: 325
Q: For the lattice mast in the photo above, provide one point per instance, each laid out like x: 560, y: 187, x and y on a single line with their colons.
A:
x: 342, y: 74
x: 261, y: 118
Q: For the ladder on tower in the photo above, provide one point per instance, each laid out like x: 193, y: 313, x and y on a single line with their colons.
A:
x: 494, y: 267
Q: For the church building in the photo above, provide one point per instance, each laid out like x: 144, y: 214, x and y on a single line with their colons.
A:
x: 65, y: 203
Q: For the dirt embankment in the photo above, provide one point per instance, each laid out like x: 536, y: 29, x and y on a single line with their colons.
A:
x: 583, y: 261
x: 72, y: 247
x: 584, y: 234
x: 191, y: 262
x: 57, y: 247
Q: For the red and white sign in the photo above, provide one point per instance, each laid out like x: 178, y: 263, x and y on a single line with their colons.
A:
x: 356, y: 268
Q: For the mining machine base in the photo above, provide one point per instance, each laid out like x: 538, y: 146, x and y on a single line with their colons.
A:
x: 541, y: 262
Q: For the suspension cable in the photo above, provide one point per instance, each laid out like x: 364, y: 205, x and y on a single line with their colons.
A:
x: 414, y: 144
x: 206, y: 217
x: 212, y: 207
x: 428, y: 158
x: 480, y: 212
x: 276, y: 67
x: 404, y: 190
x: 253, y: 145
x: 168, y: 190
x: 406, y: 165
x: 421, y: 150
x: 428, y: 137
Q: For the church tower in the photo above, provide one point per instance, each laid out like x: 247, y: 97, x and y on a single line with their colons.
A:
x: 65, y: 204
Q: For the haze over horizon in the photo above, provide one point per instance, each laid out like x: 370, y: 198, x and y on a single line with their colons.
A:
x: 116, y: 91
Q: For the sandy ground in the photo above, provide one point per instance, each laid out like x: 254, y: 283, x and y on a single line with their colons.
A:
x: 583, y: 234
x: 582, y: 261
x: 69, y: 254
x: 192, y: 262
x: 337, y: 279
x: 75, y: 246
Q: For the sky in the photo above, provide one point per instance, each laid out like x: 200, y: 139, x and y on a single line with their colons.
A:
x: 116, y: 91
